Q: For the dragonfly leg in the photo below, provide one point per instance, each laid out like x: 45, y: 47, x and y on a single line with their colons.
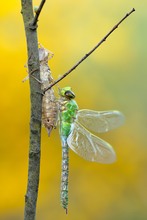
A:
x: 36, y: 79
x: 41, y: 93
x: 31, y: 75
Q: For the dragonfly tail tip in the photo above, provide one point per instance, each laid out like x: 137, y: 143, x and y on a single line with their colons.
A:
x: 66, y: 210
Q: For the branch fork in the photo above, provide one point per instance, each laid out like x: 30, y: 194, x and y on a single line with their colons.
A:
x: 33, y: 25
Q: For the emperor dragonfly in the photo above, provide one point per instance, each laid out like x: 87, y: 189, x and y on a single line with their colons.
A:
x: 74, y: 131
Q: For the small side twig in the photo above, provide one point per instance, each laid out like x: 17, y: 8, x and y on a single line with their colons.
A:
x: 37, y: 13
x: 90, y: 52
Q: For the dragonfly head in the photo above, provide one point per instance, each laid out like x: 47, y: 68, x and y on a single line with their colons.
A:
x: 67, y: 92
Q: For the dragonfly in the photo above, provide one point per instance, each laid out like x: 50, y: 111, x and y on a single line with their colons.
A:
x: 76, y: 127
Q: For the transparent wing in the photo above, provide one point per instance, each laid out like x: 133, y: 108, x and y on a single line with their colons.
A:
x: 89, y: 146
x: 100, y: 121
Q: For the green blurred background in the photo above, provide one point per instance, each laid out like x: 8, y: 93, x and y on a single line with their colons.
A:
x: 114, y: 77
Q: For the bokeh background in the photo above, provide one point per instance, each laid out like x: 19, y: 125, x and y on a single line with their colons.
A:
x: 113, y: 77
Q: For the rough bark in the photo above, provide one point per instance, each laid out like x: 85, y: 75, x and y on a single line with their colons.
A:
x: 36, y: 111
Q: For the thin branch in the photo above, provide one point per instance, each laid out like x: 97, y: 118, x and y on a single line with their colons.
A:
x: 36, y: 113
x: 35, y: 20
x: 90, y: 52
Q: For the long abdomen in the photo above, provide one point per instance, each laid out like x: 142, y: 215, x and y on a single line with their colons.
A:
x: 68, y: 109
x: 64, y: 174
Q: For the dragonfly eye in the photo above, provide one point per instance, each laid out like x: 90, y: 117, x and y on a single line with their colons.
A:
x: 69, y: 94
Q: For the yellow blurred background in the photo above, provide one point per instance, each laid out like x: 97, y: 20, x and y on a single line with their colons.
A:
x: 114, y: 77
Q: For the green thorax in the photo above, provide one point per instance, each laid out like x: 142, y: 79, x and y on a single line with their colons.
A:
x: 67, y: 116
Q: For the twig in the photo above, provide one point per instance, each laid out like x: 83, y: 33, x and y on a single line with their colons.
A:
x: 90, y: 52
x: 34, y: 22
x: 36, y: 113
